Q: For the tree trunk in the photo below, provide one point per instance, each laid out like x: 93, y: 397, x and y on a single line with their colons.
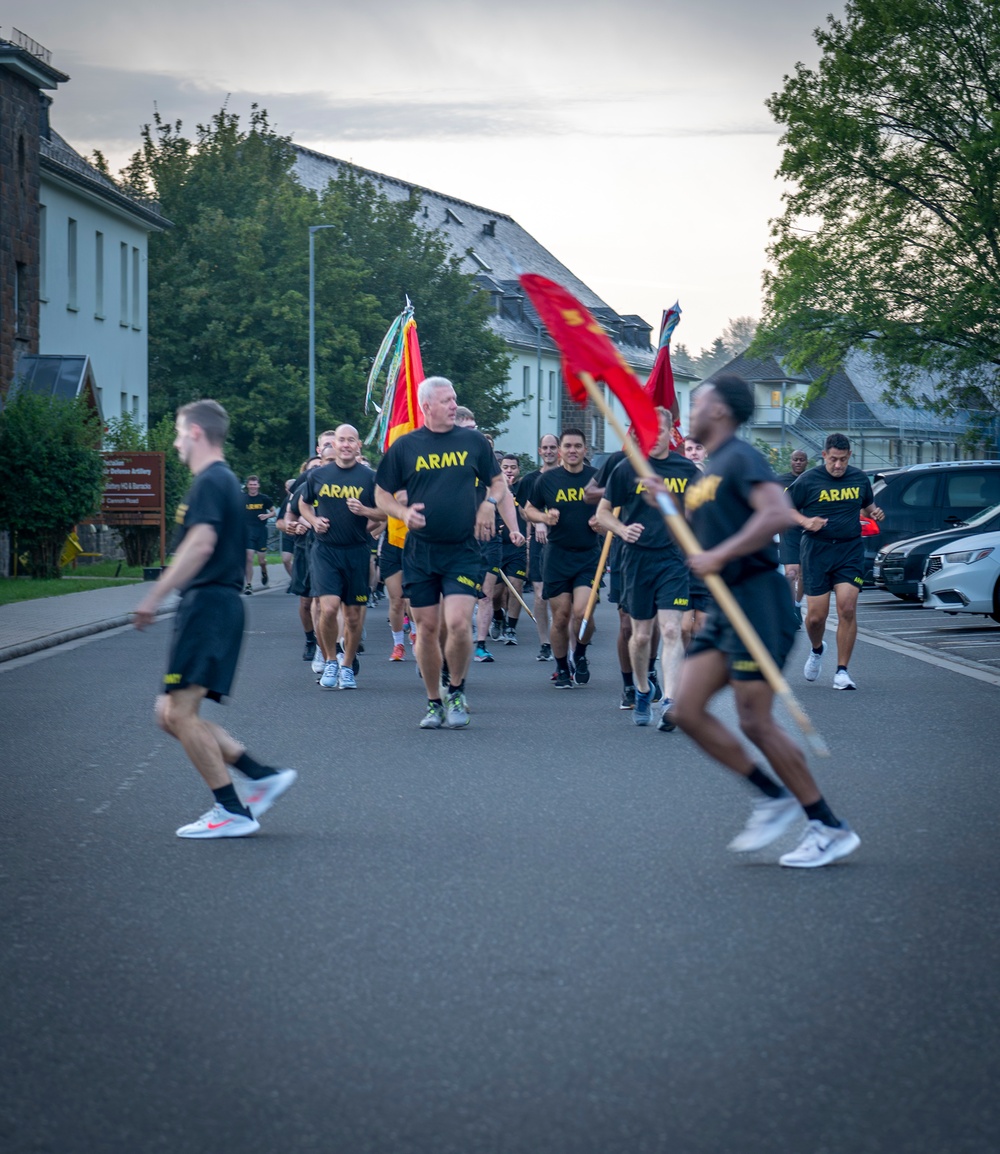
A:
x: 43, y: 552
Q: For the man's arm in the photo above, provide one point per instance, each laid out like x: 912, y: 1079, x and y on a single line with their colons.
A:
x: 308, y: 514
x: 500, y: 492
x: 369, y: 511
x: 874, y: 512
x: 771, y: 514
x: 189, y: 560
x: 609, y: 522
x: 411, y: 515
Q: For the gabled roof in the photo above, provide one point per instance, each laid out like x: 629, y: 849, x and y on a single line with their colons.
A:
x: 60, y: 160
x: 56, y: 375
x: 494, y: 249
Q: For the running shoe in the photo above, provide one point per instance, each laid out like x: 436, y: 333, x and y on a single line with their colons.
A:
x: 581, y: 671
x: 562, y: 680
x: 457, y: 715
x: 263, y: 576
x: 628, y: 697
x: 247, y: 590
x: 398, y: 653
x: 665, y: 725
x: 822, y: 845
x: 434, y: 717
x: 331, y: 675
x: 545, y: 653
x: 768, y: 820
x: 509, y: 636
x: 814, y: 664
x: 310, y: 651
x: 260, y: 794
x: 482, y: 653
x: 843, y: 680
x: 642, y: 714
x: 347, y: 678
x: 654, y: 685
x: 219, y: 822
x: 318, y: 661
x: 496, y: 628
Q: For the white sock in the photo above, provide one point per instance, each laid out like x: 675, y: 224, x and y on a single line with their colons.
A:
x: 398, y: 637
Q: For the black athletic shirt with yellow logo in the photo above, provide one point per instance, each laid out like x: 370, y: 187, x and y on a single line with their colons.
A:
x: 215, y: 498
x: 562, y: 490
x: 718, y: 505
x: 253, y: 508
x: 839, y: 499
x: 440, y: 470
x: 328, y: 489
x: 626, y: 490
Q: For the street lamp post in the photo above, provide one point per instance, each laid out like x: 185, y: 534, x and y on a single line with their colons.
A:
x: 313, y: 229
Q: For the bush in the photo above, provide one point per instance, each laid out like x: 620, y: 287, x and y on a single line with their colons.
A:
x: 51, y: 474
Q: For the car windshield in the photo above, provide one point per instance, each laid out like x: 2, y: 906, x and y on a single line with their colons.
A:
x: 983, y: 517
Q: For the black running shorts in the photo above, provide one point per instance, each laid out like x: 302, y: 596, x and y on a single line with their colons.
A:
x: 514, y: 562
x: 492, y: 551
x: 826, y: 564
x: 205, y: 646
x: 766, y: 601
x: 616, y: 590
x: 536, y: 560
x: 390, y: 560
x: 300, y: 584
x: 432, y: 570
x: 654, y: 579
x: 567, y: 569
x: 257, y: 536
x: 340, y: 571
x: 699, y: 598
x: 790, y: 544
x: 287, y: 544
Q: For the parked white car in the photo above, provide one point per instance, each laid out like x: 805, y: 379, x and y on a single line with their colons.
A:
x: 964, y: 577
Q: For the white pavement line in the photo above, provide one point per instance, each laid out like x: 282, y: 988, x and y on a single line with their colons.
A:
x: 935, y: 657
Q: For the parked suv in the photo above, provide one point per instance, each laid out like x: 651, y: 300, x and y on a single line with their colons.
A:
x: 922, y: 499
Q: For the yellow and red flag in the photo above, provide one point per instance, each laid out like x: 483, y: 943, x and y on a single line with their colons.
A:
x: 660, y: 385
x: 586, y: 348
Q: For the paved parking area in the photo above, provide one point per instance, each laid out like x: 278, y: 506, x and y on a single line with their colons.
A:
x: 964, y: 635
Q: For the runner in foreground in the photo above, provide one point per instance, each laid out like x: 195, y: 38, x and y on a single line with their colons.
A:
x: 207, y: 570
x: 735, y: 510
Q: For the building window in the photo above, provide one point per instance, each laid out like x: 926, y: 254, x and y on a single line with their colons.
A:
x: 526, y: 385
x: 123, y: 298
x: 135, y: 288
x: 553, y: 393
x: 776, y: 398
x: 99, y: 275
x: 43, y: 249
x: 123, y: 403
x: 71, y: 265
x: 135, y: 406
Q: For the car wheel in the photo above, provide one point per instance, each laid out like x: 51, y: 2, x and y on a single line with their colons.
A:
x: 996, y: 603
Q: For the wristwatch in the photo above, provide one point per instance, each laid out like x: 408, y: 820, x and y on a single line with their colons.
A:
x: 492, y: 501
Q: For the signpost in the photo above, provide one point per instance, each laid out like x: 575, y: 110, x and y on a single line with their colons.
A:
x: 134, y: 492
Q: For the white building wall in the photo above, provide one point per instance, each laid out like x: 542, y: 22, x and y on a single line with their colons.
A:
x: 89, y: 310
x: 528, y: 421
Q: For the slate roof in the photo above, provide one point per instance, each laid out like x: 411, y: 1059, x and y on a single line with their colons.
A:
x: 59, y: 158
x: 500, y: 250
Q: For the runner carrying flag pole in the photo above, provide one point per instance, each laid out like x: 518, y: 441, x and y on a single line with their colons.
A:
x: 597, y: 579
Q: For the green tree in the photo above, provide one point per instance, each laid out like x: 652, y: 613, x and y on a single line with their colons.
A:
x: 125, y: 434
x: 229, y: 291
x: 890, y: 236
x: 51, y: 474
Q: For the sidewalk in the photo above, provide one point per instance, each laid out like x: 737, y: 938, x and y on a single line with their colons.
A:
x: 28, y: 626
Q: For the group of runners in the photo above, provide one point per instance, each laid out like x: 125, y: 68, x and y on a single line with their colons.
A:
x: 454, y: 524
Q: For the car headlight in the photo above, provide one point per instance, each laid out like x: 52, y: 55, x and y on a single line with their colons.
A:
x: 967, y: 556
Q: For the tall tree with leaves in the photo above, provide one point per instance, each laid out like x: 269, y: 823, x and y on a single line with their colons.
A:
x: 229, y: 290
x: 890, y: 236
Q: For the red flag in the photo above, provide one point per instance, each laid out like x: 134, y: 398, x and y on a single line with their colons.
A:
x: 660, y: 385
x: 585, y: 348
x: 406, y: 414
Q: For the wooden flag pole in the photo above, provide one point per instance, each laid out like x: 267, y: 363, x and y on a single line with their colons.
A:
x: 510, y: 586
x: 724, y: 598
x: 592, y: 600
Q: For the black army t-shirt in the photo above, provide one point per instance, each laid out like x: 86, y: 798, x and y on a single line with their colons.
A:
x: 253, y: 508
x: 718, y: 505
x: 215, y: 498
x: 839, y: 499
x: 608, y: 466
x: 626, y: 490
x: 562, y: 490
x: 328, y: 489
x: 440, y: 470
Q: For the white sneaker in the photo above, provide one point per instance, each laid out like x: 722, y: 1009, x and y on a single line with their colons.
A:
x: 814, y: 664
x: 319, y: 661
x: 219, y: 822
x: 331, y: 675
x: 821, y: 845
x: 260, y: 794
x: 842, y: 680
x: 768, y: 820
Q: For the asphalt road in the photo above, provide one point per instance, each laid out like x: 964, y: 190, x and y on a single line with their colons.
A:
x: 523, y: 937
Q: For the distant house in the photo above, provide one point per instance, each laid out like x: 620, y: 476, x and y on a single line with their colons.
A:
x: 73, y: 248
x: 882, y: 434
x: 493, y: 248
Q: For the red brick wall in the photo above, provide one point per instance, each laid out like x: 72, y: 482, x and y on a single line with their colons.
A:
x: 20, y: 123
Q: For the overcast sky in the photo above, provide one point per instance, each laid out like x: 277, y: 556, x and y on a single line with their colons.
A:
x: 631, y: 139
